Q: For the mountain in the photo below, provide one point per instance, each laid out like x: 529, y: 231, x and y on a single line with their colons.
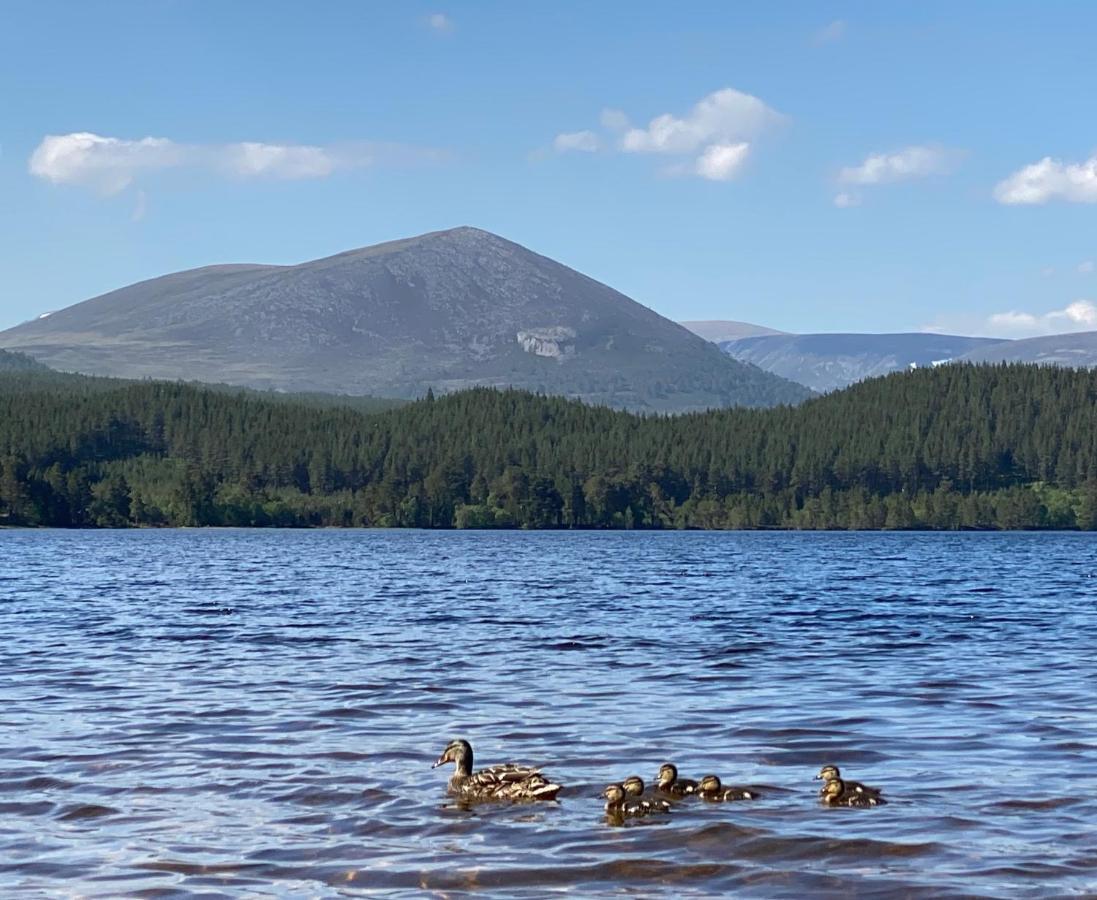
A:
x: 827, y: 362
x: 1077, y: 350
x: 445, y: 310
x: 717, y: 330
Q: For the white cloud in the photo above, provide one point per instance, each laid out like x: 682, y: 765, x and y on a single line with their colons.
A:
x: 109, y: 165
x: 440, y: 22
x: 712, y: 141
x: 844, y: 200
x: 723, y: 117
x: 828, y: 34
x: 722, y: 162
x: 910, y: 162
x: 585, y: 141
x: 1050, y: 179
x: 1086, y: 268
x: 1081, y: 315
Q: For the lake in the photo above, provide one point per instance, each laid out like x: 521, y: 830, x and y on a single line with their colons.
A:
x: 255, y: 713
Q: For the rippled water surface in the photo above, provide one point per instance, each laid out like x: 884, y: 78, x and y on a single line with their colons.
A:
x: 254, y: 713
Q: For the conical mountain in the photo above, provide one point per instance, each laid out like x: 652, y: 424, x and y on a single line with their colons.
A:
x: 444, y: 310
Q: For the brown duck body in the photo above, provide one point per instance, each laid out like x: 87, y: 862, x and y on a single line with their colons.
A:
x: 668, y: 782
x: 852, y: 787
x: 838, y: 793
x: 508, y: 782
x: 714, y: 791
x: 620, y: 804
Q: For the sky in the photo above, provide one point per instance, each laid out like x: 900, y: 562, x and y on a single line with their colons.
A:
x: 805, y: 166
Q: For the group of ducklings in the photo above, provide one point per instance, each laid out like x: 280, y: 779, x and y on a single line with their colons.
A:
x: 627, y: 799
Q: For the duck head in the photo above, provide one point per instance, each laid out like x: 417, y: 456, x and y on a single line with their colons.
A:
x: 710, y: 784
x: 458, y: 752
x: 614, y: 794
x: 668, y: 774
x: 827, y: 773
x: 633, y: 785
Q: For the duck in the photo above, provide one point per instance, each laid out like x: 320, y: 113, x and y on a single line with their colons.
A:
x: 634, y: 786
x: 669, y: 783
x: 828, y: 772
x: 838, y: 793
x: 506, y: 782
x: 714, y: 791
x: 619, y: 806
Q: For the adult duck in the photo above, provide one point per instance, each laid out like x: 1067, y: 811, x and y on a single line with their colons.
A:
x: 506, y: 782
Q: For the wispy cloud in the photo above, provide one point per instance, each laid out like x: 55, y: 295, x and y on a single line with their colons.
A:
x: 1086, y: 268
x: 909, y: 162
x: 1050, y: 179
x: 585, y: 141
x: 109, y: 164
x: 1081, y: 315
x: 830, y: 33
x: 440, y: 22
x: 845, y: 199
x: 711, y: 141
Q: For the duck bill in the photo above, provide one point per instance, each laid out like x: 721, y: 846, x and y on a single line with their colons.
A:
x: 818, y: 777
x: 441, y: 761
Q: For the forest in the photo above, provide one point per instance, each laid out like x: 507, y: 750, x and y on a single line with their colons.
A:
x: 956, y: 447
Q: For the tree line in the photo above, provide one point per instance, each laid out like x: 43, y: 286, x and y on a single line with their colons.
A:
x: 960, y: 446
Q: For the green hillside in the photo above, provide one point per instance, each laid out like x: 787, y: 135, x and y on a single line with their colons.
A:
x: 954, y: 447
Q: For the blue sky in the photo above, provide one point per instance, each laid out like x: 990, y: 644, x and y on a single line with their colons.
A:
x: 812, y: 167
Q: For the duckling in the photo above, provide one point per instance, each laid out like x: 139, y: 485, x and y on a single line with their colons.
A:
x: 634, y: 786
x: 669, y: 783
x: 504, y: 782
x: 828, y: 772
x: 618, y: 805
x: 838, y: 793
x: 712, y: 790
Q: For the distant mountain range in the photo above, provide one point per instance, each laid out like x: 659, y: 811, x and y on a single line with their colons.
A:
x: 827, y: 362
x: 720, y: 330
x: 830, y: 361
x: 445, y: 310
x: 1078, y: 350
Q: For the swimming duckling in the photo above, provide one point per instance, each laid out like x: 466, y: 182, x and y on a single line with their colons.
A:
x: 504, y: 782
x: 828, y: 772
x: 712, y: 790
x: 618, y: 804
x: 669, y: 783
x: 634, y: 786
x: 838, y: 793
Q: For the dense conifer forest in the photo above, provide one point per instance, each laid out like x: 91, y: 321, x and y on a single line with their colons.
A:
x: 974, y: 447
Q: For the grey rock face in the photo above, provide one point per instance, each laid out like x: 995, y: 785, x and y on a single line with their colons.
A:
x: 445, y: 310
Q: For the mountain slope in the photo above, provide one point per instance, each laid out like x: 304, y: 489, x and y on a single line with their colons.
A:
x: 827, y: 362
x: 445, y: 310
x: 718, y: 330
x: 1077, y: 350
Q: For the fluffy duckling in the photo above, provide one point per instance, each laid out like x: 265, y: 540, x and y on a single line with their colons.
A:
x: 712, y: 790
x: 634, y: 786
x: 504, y: 782
x: 620, y: 804
x: 669, y: 783
x: 828, y: 772
x: 838, y: 793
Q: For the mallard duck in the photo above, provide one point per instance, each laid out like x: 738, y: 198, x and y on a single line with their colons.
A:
x: 712, y: 790
x: 618, y: 804
x: 504, y: 782
x: 838, y: 793
x: 828, y: 772
x: 669, y: 783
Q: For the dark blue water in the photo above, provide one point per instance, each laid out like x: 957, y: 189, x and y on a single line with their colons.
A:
x: 254, y: 713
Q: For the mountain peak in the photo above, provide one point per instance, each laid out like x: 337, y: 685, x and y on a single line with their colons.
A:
x: 444, y: 310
